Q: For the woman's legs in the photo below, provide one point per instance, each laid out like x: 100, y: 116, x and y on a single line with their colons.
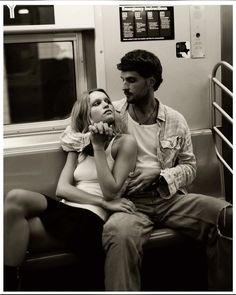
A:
x: 20, y: 206
x: 20, y: 209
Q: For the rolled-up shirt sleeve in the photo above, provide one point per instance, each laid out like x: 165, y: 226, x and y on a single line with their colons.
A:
x: 179, y: 176
x: 74, y: 141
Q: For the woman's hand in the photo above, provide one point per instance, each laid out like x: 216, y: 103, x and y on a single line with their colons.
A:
x: 99, y: 132
x: 123, y: 205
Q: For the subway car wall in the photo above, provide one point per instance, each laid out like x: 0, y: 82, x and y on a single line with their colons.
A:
x: 85, y: 41
x: 185, y: 87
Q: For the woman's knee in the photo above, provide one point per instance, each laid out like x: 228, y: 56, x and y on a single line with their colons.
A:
x: 21, y: 202
x: 14, y: 201
x: 25, y: 202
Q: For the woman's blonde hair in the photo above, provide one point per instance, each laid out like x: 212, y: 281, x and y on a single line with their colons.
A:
x: 80, y: 114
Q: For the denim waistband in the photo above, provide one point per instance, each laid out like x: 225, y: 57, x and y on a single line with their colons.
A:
x: 147, y: 196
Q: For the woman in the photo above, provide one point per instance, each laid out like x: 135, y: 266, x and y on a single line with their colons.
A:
x: 88, y: 190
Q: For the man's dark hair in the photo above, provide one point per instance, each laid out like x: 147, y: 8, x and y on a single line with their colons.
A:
x: 143, y: 62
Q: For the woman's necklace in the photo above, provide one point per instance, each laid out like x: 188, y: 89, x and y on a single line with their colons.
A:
x: 148, y: 117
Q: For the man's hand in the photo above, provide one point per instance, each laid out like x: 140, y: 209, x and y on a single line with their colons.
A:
x: 99, y: 132
x: 122, y: 204
x: 141, y: 179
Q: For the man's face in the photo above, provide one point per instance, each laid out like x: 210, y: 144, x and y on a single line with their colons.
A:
x: 135, y: 87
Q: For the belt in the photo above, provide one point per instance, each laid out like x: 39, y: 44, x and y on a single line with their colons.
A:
x: 150, y: 192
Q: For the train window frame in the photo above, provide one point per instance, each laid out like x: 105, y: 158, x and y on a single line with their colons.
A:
x: 80, y: 78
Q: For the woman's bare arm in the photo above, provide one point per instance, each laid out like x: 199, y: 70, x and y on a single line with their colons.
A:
x: 111, y: 182
x: 67, y: 190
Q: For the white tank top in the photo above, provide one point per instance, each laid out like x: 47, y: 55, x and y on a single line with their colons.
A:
x: 85, y: 176
x: 146, y: 137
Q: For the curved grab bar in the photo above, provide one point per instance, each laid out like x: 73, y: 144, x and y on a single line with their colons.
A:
x: 215, y: 131
x: 221, y: 63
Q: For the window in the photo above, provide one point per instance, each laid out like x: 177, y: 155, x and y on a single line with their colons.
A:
x: 43, y: 74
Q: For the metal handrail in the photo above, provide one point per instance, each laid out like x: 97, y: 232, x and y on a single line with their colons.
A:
x: 222, y: 112
x: 215, y: 82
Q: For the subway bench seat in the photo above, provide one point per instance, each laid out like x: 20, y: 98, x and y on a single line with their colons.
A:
x: 172, y: 262
x: 161, y: 237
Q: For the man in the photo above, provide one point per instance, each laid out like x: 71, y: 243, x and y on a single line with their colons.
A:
x: 165, y: 166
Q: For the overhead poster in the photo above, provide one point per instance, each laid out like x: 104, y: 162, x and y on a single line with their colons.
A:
x: 139, y: 23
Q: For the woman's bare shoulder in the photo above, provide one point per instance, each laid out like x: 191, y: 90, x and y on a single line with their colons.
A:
x: 125, y: 142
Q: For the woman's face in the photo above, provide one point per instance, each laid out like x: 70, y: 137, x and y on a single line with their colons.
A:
x: 101, y: 108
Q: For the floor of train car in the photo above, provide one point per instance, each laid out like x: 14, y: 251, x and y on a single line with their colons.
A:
x: 179, y: 268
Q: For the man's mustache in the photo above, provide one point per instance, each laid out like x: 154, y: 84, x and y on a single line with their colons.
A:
x: 126, y: 92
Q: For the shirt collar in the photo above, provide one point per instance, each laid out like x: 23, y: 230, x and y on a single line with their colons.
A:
x: 161, y: 112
